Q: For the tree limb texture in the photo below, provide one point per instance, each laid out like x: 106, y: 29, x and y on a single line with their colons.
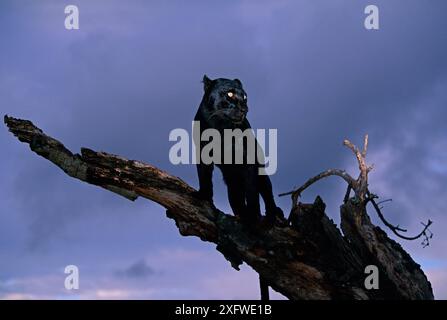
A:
x: 308, y: 259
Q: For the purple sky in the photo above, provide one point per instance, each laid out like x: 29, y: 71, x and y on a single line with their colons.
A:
x: 132, y: 73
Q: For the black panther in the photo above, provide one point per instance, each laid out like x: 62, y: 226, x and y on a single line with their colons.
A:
x: 224, y: 106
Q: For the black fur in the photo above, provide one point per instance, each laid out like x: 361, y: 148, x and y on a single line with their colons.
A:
x: 219, y: 111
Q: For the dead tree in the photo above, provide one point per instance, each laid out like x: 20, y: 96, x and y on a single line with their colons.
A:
x: 308, y: 258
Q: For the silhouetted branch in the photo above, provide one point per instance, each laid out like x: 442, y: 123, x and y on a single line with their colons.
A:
x: 331, y: 172
x: 360, y: 187
x: 426, y: 233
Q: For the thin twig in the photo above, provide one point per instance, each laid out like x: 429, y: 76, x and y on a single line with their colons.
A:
x: 383, y: 201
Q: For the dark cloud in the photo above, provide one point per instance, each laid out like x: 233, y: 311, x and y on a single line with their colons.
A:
x: 139, y: 269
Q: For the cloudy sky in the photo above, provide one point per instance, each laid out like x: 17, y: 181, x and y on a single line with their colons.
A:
x: 132, y: 73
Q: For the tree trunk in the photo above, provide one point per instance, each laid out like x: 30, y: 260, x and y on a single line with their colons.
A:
x: 308, y: 259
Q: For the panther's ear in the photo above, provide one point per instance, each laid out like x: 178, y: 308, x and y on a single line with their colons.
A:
x: 207, y: 82
x: 238, y: 82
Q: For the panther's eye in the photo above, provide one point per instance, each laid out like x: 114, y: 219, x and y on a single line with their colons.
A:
x: 230, y: 94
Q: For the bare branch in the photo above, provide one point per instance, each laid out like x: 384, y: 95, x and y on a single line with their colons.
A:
x: 395, y: 229
x: 383, y: 201
x: 358, y: 185
x: 331, y: 172
x: 365, y: 146
x: 354, y: 150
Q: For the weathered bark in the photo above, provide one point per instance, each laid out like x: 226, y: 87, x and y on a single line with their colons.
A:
x: 310, y: 259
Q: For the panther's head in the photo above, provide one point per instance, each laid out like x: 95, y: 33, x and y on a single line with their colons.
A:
x: 224, y: 102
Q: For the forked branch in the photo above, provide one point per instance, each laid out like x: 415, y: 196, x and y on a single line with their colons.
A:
x: 359, y: 185
x: 362, y: 193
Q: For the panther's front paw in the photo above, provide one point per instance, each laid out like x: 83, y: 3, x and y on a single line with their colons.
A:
x: 275, y: 215
x: 275, y: 212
